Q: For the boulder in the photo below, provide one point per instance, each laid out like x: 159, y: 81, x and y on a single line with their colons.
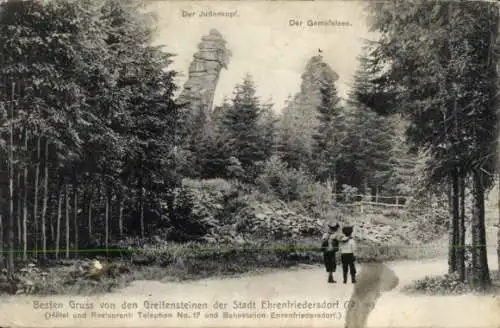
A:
x: 138, y: 259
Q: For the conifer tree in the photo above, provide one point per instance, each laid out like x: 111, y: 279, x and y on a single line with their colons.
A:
x: 370, y: 134
x: 441, y: 73
x: 291, y: 146
x: 369, y: 149
x: 329, y: 137
x: 240, y: 124
x: 93, y: 118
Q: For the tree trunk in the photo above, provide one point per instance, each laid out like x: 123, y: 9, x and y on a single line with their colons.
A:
x: 458, y: 174
x: 66, y: 208
x: 11, y: 190
x: 19, y: 209
x: 25, y: 202
x: 2, y: 257
x: 110, y: 215
x: 454, y: 193
x: 106, y: 219
x: 90, y: 216
x: 45, y: 199
x: 51, y: 226
x: 142, y: 213
x: 120, y: 216
x: 453, y: 229
x: 335, y: 178
x: 480, y: 272
x: 35, y: 204
x: 75, y: 215
x: 461, y: 232
x: 58, y: 223
x: 498, y: 228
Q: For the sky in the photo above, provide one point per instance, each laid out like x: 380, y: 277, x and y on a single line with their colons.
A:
x: 264, y: 43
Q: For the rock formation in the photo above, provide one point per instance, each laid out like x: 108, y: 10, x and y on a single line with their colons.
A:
x: 316, y: 73
x: 300, y: 114
x: 307, y: 101
x: 204, y: 73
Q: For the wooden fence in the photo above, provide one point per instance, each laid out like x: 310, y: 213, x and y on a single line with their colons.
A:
x: 395, y: 200
x: 363, y: 201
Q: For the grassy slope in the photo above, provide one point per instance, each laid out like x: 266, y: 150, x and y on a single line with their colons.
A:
x: 194, y: 261
x: 385, y: 234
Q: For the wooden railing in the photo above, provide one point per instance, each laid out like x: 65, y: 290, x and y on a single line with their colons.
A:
x: 370, y: 198
x: 363, y: 201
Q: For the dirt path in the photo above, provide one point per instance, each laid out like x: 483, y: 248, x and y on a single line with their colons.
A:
x: 306, y: 284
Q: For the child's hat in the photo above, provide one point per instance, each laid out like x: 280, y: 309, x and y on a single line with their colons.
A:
x: 348, y: 229
x: 333, y: 225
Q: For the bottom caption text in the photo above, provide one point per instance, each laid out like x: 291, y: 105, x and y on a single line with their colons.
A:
x: 189, y: 310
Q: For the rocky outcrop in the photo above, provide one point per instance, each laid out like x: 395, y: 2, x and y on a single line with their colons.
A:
x: 316, y: 73
x: 300, y: 114
x: 204, y: 71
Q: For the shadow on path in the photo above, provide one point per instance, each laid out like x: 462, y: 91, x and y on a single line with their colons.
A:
x: 373, y: 279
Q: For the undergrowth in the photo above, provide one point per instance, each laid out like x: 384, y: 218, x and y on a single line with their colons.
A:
x: 448, y: 284
x: 189, y: 261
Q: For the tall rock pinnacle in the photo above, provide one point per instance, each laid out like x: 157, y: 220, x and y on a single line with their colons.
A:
x: 301, y: 113
x: 316, y: 73
x: 204, y: 71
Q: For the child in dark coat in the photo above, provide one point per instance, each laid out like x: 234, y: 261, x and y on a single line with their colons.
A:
x: 347, y: 251
x: 330, y: 246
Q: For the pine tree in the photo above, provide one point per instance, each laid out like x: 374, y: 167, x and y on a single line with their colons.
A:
x: 329, y: 136
x: 291, y: 146
x: 267, y: 124
x: 195, y: 145
x: 93, y: 115
x: 402, y: 161
x: 240, y: 124
x: 449, y: 94
x: 370, y: 133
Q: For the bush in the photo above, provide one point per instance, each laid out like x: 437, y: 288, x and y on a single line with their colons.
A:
x: 286, y: 183
x: 199, y: 207
x: 217, y: 211
x: 183, y: 221
x: 67, y: 278
x: 274, y: 221
x: 297, y: 188
x: 449, y: 284
x: 318, y: 201
x: 428, y: 227
x: 349, y: 192
x: 196, y: 260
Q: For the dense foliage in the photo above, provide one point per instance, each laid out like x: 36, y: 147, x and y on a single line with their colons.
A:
x: 87, y: 117
x: 440, y: 62
x: 96, y: 150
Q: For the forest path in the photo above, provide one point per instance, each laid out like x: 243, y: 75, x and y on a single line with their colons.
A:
x: 394, y: 309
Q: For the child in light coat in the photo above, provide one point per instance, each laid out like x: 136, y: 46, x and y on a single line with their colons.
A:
x: 347, y: 250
